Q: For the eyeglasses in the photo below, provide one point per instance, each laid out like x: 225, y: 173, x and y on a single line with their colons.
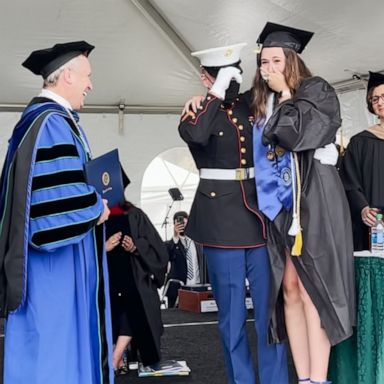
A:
x: 375, y: 99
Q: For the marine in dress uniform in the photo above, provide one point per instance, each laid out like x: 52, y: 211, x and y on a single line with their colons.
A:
x: 225, y: 218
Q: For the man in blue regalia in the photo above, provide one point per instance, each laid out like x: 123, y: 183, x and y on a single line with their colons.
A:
x: 53, y: 271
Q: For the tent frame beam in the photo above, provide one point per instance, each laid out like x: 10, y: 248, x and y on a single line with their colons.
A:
x: 128, y: 109
x: 159, y: 21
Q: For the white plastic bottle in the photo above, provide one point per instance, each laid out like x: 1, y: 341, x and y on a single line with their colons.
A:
x: 377, y: 236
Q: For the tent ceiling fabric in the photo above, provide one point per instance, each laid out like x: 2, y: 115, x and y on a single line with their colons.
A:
x: 135, y: 61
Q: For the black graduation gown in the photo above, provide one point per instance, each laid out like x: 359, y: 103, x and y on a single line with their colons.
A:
x: 139, y: 274
x: 363, y: 180
x: 326, y: 267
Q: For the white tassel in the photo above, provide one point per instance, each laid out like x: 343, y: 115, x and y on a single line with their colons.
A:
x: 295, y: 227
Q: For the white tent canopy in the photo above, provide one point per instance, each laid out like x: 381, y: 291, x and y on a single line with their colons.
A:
x: 142, y: 57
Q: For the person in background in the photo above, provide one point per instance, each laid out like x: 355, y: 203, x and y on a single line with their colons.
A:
x: 361, y: 168
x: 53, y: 270
x: 299, y: 190
x: 186, y: 258
x: 225, y: 218
x: 137, y: 262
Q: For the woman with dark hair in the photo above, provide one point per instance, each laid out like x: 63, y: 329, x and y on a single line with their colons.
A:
x: 361, y: 168
x: 309, y: 232
x: 137, y: 262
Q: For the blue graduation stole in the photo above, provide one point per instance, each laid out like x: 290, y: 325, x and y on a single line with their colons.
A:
x: 273, y: 175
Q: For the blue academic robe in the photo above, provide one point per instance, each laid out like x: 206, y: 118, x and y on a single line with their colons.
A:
x: 58, y: 323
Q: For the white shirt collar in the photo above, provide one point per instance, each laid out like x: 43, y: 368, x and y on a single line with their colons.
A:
x: 55, y: 97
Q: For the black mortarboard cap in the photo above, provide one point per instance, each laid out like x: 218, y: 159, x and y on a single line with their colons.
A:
x: 276, y: 35
x: 375, y: 79
x: 45, y: 61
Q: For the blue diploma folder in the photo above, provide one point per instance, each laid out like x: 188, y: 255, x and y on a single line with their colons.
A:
x: 104, y: 173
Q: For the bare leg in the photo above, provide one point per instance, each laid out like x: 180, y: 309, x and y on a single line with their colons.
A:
x: 120, y: 346
x: 295, y: 322
x: 319, y: 345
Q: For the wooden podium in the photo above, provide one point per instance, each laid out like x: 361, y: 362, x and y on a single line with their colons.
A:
x: 203, y: 301
x: 196, y: 301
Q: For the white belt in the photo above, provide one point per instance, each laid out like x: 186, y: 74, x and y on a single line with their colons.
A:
x: 227, y: 174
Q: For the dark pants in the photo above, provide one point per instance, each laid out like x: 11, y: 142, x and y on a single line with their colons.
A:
x: 129, y: 319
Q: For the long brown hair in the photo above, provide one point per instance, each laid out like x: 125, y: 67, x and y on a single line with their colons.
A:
x: 369, y: 99
x: 295, y: 72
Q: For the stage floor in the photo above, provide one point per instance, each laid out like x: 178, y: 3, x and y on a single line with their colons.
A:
x: 192, y: 337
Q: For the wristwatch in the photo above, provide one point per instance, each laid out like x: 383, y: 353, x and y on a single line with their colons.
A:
x: 285, y: 93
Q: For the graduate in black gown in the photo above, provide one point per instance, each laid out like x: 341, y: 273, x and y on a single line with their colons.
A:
x: 361, y: 170
x: 137, y: 262
x: 313, y: 261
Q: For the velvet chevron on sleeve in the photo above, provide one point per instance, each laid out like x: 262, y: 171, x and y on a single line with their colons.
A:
x: 63, y: 207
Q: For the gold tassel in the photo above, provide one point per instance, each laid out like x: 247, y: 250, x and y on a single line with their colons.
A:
x: 298, y: 244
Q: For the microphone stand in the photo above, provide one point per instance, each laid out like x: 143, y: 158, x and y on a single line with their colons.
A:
x: 166, y: 220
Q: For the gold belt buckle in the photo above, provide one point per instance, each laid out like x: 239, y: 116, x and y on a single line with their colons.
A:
x: 241, y: 174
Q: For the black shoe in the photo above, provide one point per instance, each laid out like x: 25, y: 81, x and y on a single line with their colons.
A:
x: 123, y: 370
